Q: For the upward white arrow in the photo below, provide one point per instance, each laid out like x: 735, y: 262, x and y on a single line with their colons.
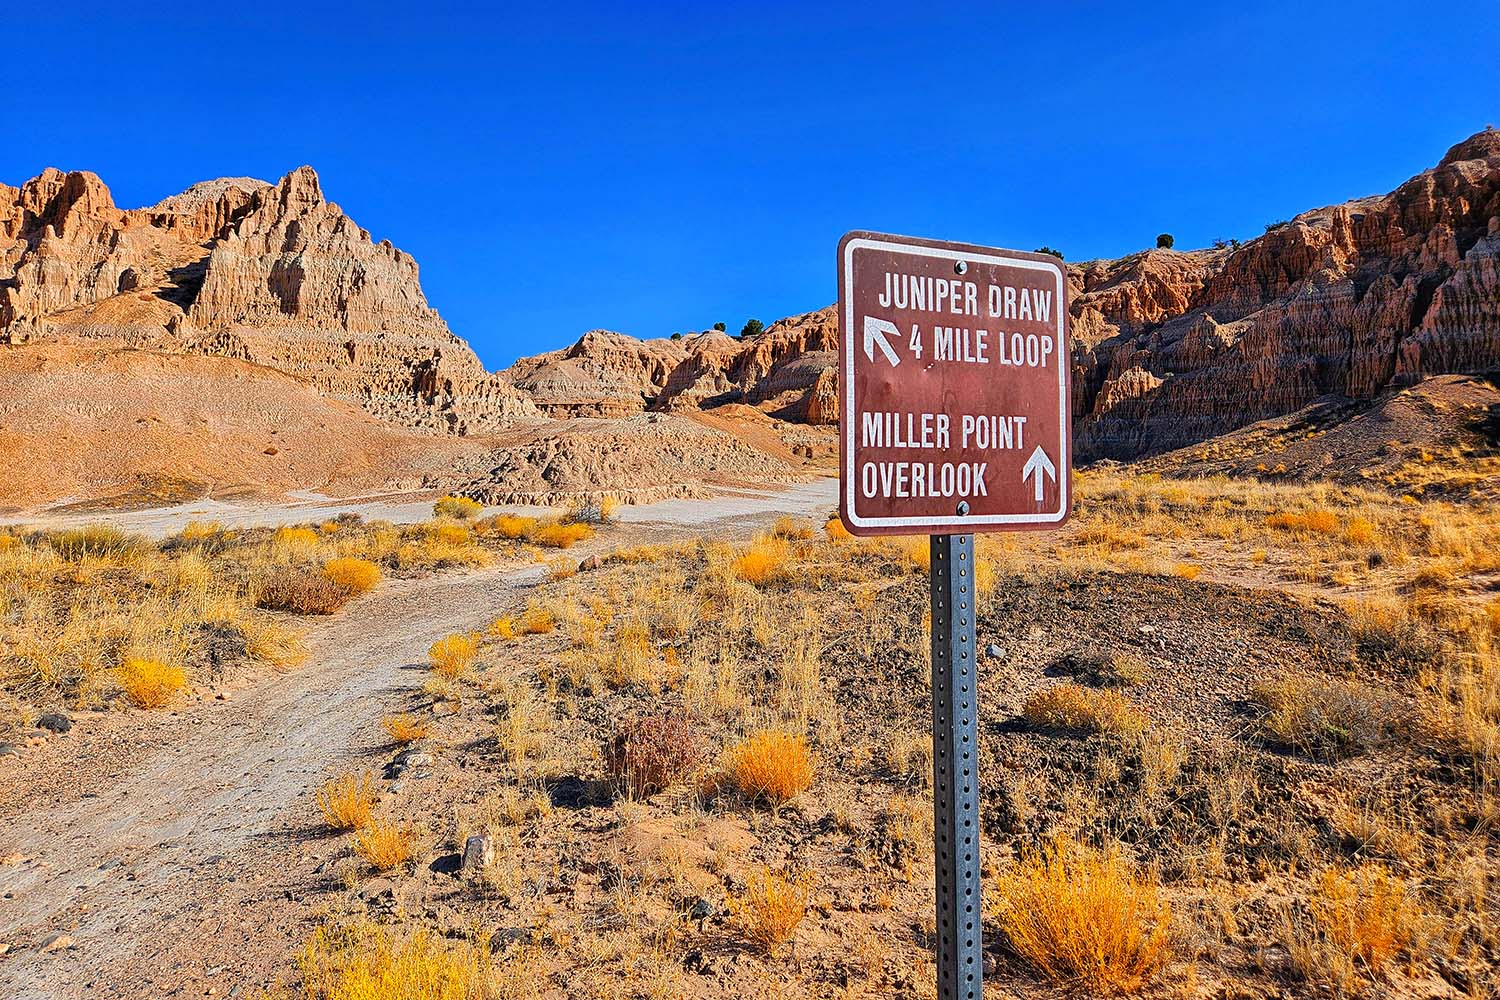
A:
x: 1036, y: 465
x: 875, y: 333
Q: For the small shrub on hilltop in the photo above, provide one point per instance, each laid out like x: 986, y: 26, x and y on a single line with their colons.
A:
x: 650, y: 754
x: 771, y: 765
x: 1077, y: 709
x: 1325, y: 718
x: 763, y: 561
x: 150, y: 683
x: 452, y: 656
x: 302, y: 592
x: 458, y: 508
x: 771, y: 907
x: 503, y: 628
x: 1362, y: 919
x: 561, y: 535
x: 359, y: 576
x: 385, y: 845
x: 346, y: 801
x: 404, y: 728
x: 1084, y: 917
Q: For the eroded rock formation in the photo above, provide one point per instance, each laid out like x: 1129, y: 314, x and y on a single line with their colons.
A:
x: 272, y: 274
x: 1171, y: 348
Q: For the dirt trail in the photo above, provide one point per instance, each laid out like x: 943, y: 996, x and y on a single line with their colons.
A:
x: 197, y: 869
x: 202, y: 843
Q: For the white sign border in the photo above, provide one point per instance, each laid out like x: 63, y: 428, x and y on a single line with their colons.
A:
x: 1065, y: 456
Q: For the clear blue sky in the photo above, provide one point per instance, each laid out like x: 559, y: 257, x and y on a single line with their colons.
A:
x: 656, y: 167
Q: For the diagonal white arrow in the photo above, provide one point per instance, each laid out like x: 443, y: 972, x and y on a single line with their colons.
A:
x: 1036, y: 465
x: 875, y: 333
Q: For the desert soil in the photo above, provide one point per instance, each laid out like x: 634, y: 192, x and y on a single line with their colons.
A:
x: 181, y: 860
x: 803, y: 499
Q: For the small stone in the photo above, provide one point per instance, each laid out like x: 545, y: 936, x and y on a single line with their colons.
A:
x: 479, y: 854
x: 56, y: 941
x: 9, y: 749
x: 55, y: 722
x: 995, y: 652
x: 590, y: 562
x: 1147, y: 629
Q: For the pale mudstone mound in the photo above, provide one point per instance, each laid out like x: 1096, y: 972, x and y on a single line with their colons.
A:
x: 639, y: 459
x: 604, y: 374
x: 82, y: 423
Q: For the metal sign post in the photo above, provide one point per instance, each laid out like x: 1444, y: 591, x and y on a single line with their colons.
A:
x: 955, y: 785
x: 955, y: 417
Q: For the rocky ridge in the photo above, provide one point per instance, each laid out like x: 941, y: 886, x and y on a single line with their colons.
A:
x: 1171, y: 348
x: 271, y: 274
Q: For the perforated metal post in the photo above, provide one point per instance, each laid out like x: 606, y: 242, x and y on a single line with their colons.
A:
x: 955, y: 755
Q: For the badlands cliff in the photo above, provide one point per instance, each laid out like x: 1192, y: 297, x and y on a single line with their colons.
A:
x: 1169, y: 347
x: 272, y: 274
x: 286, y: 295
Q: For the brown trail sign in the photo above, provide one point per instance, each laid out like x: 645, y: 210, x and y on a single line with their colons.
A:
x: 954, y: 369
x: 953, y: 362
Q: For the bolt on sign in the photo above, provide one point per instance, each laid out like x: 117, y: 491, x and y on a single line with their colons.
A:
x: 954, y: 370
x: 953, y: 362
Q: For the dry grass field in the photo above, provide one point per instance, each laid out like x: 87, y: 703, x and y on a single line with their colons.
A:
x: 1238, y: 739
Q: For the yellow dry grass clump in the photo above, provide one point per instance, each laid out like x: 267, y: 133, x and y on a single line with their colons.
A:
x: 537, y: 619
x: 454, y: 655
x: 346, y: 801
x: 771, y: 907
x: 771, y: 765
x: 763, y: 561
x: 835, y: 531
x: 356, y: 575
x: 150, y: 683
x: 1084, y: 917
x: 1362, y: 920
x: 509, y: 526
x: 368, y: 963
x: 385, y: 845
x: 503, y: 628
x: 458, y: 508
x: 793, y: 530
x: 1074, y: 708
x: 1309, y: 522
x: 295, y: 539
x: 404, y: 728
x: 561, y: 535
